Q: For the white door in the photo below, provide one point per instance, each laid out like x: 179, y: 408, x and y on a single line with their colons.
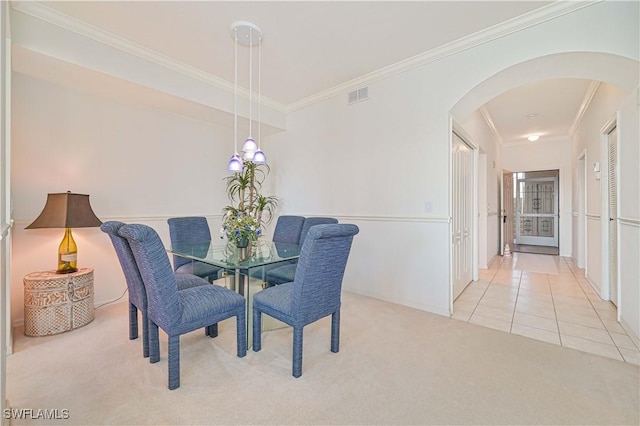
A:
x: 507, y: 211
x: 581, y: 187
x: 613, y: 216
x: 462, y: 218
x: 537, y: 211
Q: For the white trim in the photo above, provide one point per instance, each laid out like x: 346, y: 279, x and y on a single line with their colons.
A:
x: 588, y: 97
x: 4, y: 229
x: 484, y: 112
x: 629, y: 222
x: 420, y: 219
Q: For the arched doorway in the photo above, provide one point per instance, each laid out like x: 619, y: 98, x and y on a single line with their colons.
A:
x: 613, y: 70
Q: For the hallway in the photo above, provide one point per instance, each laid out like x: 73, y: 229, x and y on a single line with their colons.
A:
x: 545, y: 298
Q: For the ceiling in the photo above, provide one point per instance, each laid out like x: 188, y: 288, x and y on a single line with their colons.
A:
x: 312, y: 47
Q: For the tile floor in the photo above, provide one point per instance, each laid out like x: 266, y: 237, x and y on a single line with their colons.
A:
x: 558, y: 307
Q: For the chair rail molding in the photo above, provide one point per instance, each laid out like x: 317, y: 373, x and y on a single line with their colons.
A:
x: 629, y: 222
x: 374, y: 218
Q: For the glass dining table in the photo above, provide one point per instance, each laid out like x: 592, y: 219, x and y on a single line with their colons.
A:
x: 244, y: 269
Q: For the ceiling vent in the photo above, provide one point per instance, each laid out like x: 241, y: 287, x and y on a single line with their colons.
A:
x: 361, y: 94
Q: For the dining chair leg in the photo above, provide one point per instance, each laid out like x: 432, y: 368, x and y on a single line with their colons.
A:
x: 335, y: 331
x: 145, y: 334
x: 257, y: 330
x: 241, y: 331
x: 133, y: 321
x: 174, y: 362
x: 154, y: 343
x: 297, y: 351
x: 211, y: 330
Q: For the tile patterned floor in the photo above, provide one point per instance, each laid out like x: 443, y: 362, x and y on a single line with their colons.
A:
x: 560, y: 308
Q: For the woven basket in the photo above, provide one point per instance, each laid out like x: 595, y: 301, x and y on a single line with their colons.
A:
x: 54, y: 303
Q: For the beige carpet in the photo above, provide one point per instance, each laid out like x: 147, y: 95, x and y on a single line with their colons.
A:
x: 396, y: 366
x: 535, y: 263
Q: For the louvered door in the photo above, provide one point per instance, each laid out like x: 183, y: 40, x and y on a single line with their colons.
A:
x: 613, y: 215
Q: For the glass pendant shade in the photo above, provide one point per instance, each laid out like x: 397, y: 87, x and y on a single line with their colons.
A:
x: 259, y: 157
x: 249, y: 146
x: 235, y: 163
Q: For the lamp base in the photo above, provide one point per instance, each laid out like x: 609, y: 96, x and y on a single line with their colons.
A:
x: 67, y: 254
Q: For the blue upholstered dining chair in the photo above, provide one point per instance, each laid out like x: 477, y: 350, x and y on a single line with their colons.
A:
x: 191, y: 230
x: 179, y: 312
x: 288, y: 229
x: 135, y: 286
x: 285, y: 273
x: 316, y: 291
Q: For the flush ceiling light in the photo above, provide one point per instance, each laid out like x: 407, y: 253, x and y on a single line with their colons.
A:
x: 246, y: 34
x: 533, y: 138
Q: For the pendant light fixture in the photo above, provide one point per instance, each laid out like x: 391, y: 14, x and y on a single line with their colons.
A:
x: 235, y: 163
x: 246, y: 34
x: 259, y: 157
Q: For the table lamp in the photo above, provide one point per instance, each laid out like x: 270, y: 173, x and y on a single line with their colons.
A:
x: 66, y: 210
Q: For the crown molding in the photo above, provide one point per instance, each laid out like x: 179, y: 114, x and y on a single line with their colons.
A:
x: 503, y: 29
x: 52, y: 16
x: 546, y: 13
x: 588, y: 97
x: 489, y: 121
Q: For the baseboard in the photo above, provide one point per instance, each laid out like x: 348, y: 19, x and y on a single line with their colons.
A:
x: 493, y: 259
x: 594, y: 287
x: 630, y: 333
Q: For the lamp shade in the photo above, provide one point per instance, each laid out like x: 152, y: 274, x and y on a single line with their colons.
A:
x: 66, y: 210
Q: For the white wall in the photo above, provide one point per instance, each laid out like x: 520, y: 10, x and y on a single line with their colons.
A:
x: 611, y: 103
x: 389, y: 155
x: 137, y: 164
x: 375, y: 163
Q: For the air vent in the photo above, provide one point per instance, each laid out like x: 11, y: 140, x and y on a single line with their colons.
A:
x: 361, y: 94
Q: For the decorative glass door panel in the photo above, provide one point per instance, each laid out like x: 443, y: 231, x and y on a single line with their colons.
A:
x: 537, y: 211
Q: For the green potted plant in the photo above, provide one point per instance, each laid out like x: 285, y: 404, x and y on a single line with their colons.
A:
x: 250, y: 211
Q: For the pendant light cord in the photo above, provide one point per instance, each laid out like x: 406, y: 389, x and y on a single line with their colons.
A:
x: 235, y: 92
x: 250, y: 75
x: 259, y: 89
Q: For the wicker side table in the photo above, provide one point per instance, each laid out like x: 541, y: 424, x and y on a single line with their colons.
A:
x: 54, y: 303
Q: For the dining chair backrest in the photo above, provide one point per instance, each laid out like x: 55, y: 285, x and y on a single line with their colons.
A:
x: 288, y: 229
x: 313, y: 221
x: 318, y: 281
x: 188, y: 230
x: 135, y: 285
x: 160, y: 282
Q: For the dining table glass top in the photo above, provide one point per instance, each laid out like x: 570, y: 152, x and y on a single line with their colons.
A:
x: 226, y: 255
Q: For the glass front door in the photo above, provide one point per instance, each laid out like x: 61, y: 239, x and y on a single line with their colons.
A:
x: 537, y: 211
